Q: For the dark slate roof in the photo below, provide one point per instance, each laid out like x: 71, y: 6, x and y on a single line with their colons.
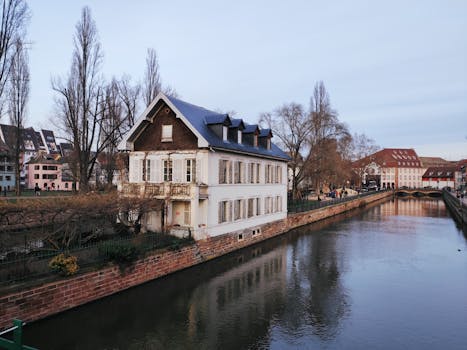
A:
x: 197, y: 115
x: 250, y: 128
x: 237, y: 123
x: 265, y: 133
x: 30, y: 140
x: 217, y: 119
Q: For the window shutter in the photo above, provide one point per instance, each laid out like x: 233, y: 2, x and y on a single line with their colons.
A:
x: 230, y: 172
x: 177, y: 170
x: 219, y: 212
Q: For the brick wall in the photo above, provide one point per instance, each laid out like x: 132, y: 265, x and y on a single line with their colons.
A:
x: 38, y: 302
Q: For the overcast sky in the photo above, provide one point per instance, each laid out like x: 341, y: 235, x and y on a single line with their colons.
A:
x: 395, y: 70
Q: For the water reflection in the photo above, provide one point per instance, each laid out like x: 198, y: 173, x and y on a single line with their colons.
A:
x: 341, y: 283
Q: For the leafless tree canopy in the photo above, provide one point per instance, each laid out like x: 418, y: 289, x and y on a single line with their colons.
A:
x: 15, y: 16
x: 18, y: 98
x: 314, y: 139
x: 82, y: 103
x: 129, y: 95
x: 152, y: 80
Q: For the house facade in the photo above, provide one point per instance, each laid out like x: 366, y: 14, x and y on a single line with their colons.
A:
x: 211, y: 174
x: 46, y: 172
x: 391, y: 168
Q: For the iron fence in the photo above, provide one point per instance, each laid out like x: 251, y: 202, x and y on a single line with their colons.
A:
x: 35, y: 264
x: 298, y: 206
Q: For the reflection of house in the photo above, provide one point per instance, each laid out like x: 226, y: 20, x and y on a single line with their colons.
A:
x: 46, y: 172
x: 391, y: 168
x: 213, y: 173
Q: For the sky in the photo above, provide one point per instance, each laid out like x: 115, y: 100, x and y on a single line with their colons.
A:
x: 394, y: 70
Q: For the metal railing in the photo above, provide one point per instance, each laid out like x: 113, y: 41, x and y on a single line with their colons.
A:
x: 17, y: 342
x: 36, y: 264
x: 298, y: 206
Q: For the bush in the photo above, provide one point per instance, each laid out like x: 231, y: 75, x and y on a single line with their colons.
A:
x: 65, y: 265
x: 120, y: 252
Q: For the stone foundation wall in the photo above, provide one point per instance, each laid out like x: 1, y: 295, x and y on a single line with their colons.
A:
x: 33, y: 303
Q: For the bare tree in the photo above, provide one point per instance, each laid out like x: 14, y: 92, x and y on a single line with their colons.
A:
x: 15, y: 15
x: 292, y: 126
x: 152, y: 81
x: 327, y: 131
x: 313, y: 139
x: 362, y: 146
x: 129, y: 95
x: 18, y: 98
x: 80, y: 101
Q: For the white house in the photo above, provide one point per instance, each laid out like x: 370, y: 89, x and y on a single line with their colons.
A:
x: 211, y: 174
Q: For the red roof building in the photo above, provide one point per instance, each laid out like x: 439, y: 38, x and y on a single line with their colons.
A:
x: 391, y: 168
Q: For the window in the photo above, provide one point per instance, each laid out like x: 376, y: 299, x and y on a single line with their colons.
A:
x: 190, y: 175
x: 251, y: 173
x: 166, y: 133
x: 237, y: 209
x: 266, y: 205
x: 257, y: 172
x: 268, y: 143
x: 224, y: 133
x: 9, y: 168
x: 224, y: 172
x: 251, y: 207
x: 255, y: 141
x: 167, y: 170
x: 66, y: 184
x: 36, y: 176
x: 258, y: 206
x: 238, y: 172
x: 239, y: 136
x: 146, y: 169
x: 268, y: 174
x: 278, y: 174
x: 1, y: 178
x: 223, y: 211
x: 279, y: 203
x: 8, y: 178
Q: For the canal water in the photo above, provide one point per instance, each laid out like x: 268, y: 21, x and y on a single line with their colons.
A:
x: 392, y: 276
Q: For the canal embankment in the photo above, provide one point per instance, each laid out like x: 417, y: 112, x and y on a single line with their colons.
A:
x: 457, y: 207
x: 33, y: 301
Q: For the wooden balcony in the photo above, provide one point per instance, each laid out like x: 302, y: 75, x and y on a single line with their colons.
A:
x: 158, y: 190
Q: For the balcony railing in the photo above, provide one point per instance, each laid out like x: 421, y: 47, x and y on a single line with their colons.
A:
x: 167, y: 189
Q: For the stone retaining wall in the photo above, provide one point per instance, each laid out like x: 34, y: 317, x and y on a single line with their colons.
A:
x: 33, y: 303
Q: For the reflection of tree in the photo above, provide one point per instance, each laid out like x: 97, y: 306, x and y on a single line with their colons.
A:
x: 316, y: 297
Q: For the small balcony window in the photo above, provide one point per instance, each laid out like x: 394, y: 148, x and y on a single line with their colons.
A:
x: 166, y: 133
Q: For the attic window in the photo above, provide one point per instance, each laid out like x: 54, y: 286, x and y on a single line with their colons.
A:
x: 224, y: 133
x: 239, y: 137
x: 255, y: 141
x: 268, y: 143
x: 166, y: 133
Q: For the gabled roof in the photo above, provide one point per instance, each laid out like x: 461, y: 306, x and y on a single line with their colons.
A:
x: 392, y: 158
x: 195, y: 118
x: 265, y: 133
x: 237, y: 123
x: 30, y: 140
x: 251, y: 128
x: 434, y: 161
x: 223, y: 119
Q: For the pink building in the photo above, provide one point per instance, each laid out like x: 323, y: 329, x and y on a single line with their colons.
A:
x: 46, y: 172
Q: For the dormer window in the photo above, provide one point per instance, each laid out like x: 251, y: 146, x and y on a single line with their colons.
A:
x: 239, y: 136
x: 166, y: 133
x: 225, y: 131
x: 255, y: 141
x: 268, y: 143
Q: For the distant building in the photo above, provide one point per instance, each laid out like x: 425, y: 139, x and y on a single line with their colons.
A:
x: 439, y: 177
x: 46, y: 172
x: 391, y: 168
x: 211, y: 174
x: 434, y: 162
